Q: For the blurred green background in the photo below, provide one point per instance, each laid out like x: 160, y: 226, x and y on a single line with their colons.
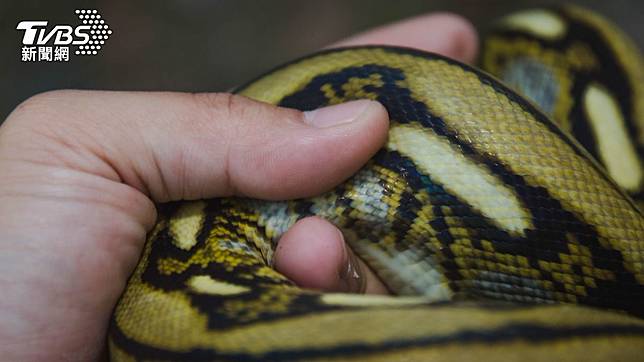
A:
x: 213, y: 45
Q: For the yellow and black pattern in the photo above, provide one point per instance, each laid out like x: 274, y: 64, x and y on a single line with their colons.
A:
x: 584, y: 73
x: 500, y: 235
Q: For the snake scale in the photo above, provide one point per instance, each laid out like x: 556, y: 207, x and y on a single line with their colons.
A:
x: 500, y: 235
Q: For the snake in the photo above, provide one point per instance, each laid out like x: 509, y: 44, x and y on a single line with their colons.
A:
x: 503, y: 214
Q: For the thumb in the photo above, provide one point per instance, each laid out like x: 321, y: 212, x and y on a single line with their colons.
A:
x: 295, y: 154
x: 174, y: 146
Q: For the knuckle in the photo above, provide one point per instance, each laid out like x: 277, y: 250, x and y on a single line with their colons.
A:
x: 221, y: 105
x: 229, y: 114
x: 242, y: 110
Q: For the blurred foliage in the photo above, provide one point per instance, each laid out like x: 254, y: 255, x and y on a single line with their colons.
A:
x: 213, y: 45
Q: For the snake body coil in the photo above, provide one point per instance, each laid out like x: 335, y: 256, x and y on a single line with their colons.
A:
x: 499, y: 233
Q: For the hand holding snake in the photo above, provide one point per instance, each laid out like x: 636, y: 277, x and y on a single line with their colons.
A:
x: 506, y: 220
x: 88, y: 162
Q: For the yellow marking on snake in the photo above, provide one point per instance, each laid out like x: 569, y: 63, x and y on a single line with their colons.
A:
x: 627, y: 55
x: 206, y: 284
x: 186, y: 225
x: 542, y: 23
x: 479, y: 187
x: 615, y: 146
x: 355, y: 300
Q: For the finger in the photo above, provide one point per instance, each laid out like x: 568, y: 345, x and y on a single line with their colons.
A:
x: 314, y: 255
x: 175, y: 146
x: 443, y: 33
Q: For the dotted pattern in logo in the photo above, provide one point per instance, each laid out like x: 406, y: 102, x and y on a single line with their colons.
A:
x: 99, y: 31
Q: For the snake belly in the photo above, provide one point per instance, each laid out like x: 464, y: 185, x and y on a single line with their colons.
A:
x: 500, y: 235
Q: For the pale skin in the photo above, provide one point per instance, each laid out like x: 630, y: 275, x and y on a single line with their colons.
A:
x: 82, y: 171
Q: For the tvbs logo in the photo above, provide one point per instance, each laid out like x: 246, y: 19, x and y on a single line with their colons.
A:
x: 45, y: 43
x: 63, y: 33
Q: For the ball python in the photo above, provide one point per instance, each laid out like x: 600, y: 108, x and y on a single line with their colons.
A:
x: 486, y: 214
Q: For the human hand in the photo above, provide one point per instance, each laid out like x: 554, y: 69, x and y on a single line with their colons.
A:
x: 82, y: 170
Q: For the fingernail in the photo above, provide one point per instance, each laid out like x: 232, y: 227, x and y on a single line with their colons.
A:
x: 351, y: 275
x: 337, y: 114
